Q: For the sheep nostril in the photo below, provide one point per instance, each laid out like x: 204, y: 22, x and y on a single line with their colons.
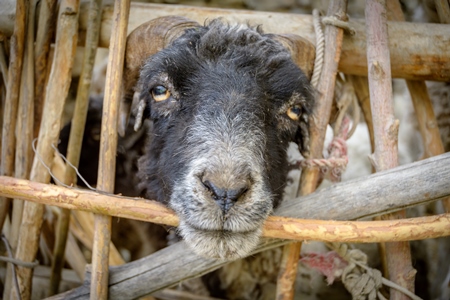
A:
x: 225, y: 197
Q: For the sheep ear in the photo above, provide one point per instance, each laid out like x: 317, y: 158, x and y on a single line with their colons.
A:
x: 146, y: 40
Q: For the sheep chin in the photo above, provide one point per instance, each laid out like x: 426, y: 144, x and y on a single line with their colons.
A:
x: 227, y: 245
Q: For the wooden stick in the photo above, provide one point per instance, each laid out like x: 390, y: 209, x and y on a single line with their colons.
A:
x: 57, y: 89
x: 108, y: 147
x: 443, y: 10
x: 24, y: 129
x: 3, y: 65
x: 423, y: 106
x: 76, y: 137
x: 12, y: 99
x: 427, y: 43
x: 386, y: 131
x: 319, y: 122
x: 274, y: 227
x: 361, y: 86
x: 362, y: 197
x: 368, y: 196
x: 44, y: 36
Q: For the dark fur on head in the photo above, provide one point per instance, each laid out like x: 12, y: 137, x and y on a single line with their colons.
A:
x: 217, y: 151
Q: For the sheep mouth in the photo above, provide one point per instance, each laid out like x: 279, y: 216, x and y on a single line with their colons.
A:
x: 221, y: 244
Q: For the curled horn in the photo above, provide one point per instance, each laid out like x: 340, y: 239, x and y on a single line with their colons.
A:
x: 146, y: 40
x: 303, y: 54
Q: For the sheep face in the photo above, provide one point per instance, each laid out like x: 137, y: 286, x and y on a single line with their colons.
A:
x: 225, y: 101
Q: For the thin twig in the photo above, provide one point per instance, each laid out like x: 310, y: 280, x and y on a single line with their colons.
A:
x: 108, y: 147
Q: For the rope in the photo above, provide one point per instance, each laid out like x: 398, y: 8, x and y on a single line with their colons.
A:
x: 333, y: 166
x: 320, y: 48
x: 360, y: 280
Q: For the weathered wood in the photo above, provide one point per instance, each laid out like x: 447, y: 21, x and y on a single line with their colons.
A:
x: 424, y: 56
x: 76, y: 138
x: 376, y: 194
x: 12, y: 100
x: 45, y: 31
x: 385, y: 156
x: 443, y: 10
x: 280, y: 227
x: 57, y: 90
x: 24, y: 130
x: 319, y: 122
x: 108, y: 146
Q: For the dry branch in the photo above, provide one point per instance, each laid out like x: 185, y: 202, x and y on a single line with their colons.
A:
x: 108, y: 146
x: 44, y: 35
x: 385, y: 126
x: 319, y: 122
x: 57, y: 90
x: 12, y: 99
x: 76, y: 137
x: 376, y: 194
x: 24, y: 130
x: 423, y: 106
x: 276, y: 226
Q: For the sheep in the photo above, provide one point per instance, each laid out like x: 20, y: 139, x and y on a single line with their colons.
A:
x: 225, y: 101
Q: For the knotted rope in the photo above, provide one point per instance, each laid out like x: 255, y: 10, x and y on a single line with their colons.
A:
x: 333, y: 166
x: 359, y: 279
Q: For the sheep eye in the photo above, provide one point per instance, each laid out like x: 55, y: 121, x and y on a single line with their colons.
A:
x: 160, y: 93
x: 294, y: 112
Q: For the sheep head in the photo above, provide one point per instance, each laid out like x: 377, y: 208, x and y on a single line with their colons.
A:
x: 225, y: 101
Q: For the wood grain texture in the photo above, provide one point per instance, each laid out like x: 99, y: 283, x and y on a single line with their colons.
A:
x: 425, y: 55
x: 108, y: 147
x: 382, y: 192
x: 57, y: 89
x: 385, y: 156
x: 318, y: 126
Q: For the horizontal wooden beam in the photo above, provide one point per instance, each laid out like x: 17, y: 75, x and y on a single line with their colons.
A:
x: 386, y: 191
x: 274, y: 227
x: 418, y: 51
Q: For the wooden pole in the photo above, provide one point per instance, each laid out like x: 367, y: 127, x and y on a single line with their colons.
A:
x: 274, y: 227
x: 57, y: 90
x: 24, y: 128
x: 359, y: 198
x: 44, y: 37
x: 423, y: 107
x: 318, y: 124
x: 108, y: 147
x: 12, y: 100
x: 443, y: 10
x: 385, y: 131
x: 76, y: 138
